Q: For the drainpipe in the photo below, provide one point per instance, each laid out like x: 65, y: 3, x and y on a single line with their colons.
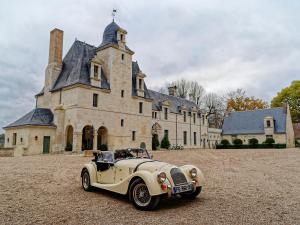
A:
x: 191, y: 130
x: 176, y: 129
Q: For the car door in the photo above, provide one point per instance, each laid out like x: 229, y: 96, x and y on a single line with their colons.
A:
x: 105, y: 168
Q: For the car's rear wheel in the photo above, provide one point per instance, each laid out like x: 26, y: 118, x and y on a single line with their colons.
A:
x: 192, y: 194
x: 86, y: 181
x: 140, y: 196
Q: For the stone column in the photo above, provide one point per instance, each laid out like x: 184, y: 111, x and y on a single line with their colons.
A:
x: 77, y: 141
x: 95, y: 139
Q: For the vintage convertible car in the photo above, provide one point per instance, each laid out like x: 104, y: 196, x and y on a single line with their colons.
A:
x: 144, y: 180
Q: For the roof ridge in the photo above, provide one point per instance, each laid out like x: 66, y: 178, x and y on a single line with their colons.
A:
x: 254, y: 110
x: 176, y: 97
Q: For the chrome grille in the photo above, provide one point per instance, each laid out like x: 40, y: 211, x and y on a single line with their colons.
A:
x: 177, y: 176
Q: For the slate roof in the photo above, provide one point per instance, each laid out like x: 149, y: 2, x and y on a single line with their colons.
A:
x: 76, y: 67
x: 176, y: 102
x: 36, y: 117
x: 135, y: 71
x: 110, y: 34
x: 252, y: 122
x: 296, y: 127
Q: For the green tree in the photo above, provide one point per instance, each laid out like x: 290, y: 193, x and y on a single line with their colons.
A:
x: 165, y: 143
x: 291, y: 96
x: 155, y: 142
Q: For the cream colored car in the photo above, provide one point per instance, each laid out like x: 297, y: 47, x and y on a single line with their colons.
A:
x: 144, y: 180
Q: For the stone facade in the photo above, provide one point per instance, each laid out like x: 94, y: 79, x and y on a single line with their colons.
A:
x: 261, y: 124
x: 98, y: 96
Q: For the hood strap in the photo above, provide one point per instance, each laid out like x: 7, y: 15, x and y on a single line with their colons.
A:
x: 137, y: 166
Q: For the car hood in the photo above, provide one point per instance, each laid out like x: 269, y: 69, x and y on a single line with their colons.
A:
x: 145, y: 164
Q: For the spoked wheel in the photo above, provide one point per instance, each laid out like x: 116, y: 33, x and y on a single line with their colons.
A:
x: 86, y: 182
x: 141, y: 197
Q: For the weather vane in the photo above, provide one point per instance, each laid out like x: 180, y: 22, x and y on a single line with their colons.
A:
x: 114, y: 14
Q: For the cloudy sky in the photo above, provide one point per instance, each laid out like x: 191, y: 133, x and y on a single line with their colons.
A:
x: 223, y: 45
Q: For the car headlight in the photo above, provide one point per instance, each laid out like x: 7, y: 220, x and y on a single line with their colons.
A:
x: 161, y: 177
x: 193, y: 173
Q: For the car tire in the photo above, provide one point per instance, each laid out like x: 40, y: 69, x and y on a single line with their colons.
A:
x: 86, y: 180
x: 140, y: 196
x: 192, y: 195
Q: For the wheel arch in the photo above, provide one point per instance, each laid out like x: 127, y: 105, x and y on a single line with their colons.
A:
x: 92, y: 172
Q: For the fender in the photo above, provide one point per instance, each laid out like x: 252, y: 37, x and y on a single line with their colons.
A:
x: 186, y: 169
x: 92, y: 171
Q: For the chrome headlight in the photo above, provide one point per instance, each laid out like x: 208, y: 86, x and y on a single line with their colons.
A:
x: 193, y: 173
x: 161, y: 177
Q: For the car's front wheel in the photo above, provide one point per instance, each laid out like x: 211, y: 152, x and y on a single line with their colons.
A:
x: 140, y: 196
x: 86, y: 181
x: 192, y: 194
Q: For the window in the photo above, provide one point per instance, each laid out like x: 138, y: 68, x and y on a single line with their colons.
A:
x: 122, y: 123
x: 122, y: 93
x: 203, y: 120
x: 195, y: 138
x: 95, y: 100
x: 268, y: 123
x: 166, y: 113
x: 140, y: 84
x: 152, y: 114
x: 96, y: 68
x: 122, y: 56
x: 166, y: 133
x: 21, y: 140
x: 194, y: 117
x: 184, y: 137
x: 155, y: 115
x: 121, y: 36
x: 133, y: 135
x: 14, y: 138
x: 7, y: 140
x: 184, y: 116
x: 141, y: 107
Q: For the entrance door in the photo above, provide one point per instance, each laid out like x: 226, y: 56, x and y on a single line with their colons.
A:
x: 46, y: 144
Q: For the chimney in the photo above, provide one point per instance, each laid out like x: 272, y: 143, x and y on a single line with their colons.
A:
x: 56, y: 46
x: 172, y: 90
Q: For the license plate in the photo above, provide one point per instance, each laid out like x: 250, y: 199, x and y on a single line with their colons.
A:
x: 182, y: 188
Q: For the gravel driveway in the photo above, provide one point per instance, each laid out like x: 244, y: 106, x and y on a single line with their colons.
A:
x: 242, y: 187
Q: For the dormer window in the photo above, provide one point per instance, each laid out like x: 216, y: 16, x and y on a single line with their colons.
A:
x: 122, y: 56
x: 122, y: 36
x: 96, y: 71
x: 268, y: 123
x: 184, y: 116
x: 140, y: 83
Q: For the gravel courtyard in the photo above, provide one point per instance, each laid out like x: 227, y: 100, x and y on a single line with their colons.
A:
x: 242, y: 187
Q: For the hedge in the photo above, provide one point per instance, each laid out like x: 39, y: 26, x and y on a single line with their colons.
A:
x: 251, y: 146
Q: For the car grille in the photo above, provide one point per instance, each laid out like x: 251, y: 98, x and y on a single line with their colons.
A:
x: 177, y: 176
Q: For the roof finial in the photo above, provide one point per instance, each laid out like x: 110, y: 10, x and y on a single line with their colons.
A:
x: 114, y: 14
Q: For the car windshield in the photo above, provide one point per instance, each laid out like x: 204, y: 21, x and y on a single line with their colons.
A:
x: 131, y: 153
x: 105, y: 157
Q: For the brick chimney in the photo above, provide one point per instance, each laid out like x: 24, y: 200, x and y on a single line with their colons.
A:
x: 56, y: 46
x: 172, y: 90
x: 54, y: 64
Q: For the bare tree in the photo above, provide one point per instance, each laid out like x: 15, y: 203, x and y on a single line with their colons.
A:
x: 196, y: 93
x: 215, y: 107
x: 183, y: 87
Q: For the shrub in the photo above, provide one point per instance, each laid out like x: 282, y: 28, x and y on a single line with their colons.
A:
x: 165, y: 143
x: 270, y: 141
x: 225, y: 142
x: 155, y: 142
x: 237, y: 142
x: 69, y: 147
x: 253, y: 141
x: 103, y: 147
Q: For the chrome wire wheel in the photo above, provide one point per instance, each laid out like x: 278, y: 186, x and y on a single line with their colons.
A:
x: 86, y: 180
x: 141, y: 195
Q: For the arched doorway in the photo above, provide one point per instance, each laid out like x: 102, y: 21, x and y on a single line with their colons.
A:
x: 102, y: 138
x: 87, y: 138
x: 69, y: 138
